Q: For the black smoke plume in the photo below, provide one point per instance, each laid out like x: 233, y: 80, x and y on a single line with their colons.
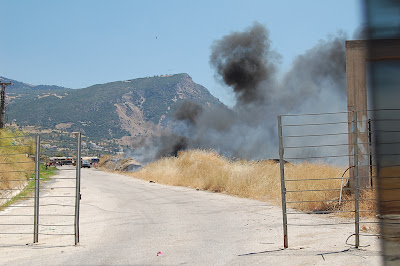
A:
x: 188, y: 111
x: 242, y: 60
x: 170, y: 145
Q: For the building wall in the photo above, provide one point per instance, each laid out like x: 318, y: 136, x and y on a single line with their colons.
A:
x: 356, y: 62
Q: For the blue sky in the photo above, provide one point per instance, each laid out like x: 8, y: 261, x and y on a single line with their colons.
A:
x: 78, y: 43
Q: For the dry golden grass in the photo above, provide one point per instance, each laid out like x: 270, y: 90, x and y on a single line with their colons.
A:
x: 14, y: 167
x: 367, y: 204
x: 207, y: 170
x: 322, y: 178
x: 105, y: 161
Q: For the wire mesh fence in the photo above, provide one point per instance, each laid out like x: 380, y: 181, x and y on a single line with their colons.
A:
x: 17, y: 173
x: 39, y: 205
x: 58, y: 198
x: 327, y: 168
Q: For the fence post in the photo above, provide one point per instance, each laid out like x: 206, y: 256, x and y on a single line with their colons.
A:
x: 78, y: 187
x: 370, y: 152
x: 283, y: 188
x: 356, y: 190
x: 36, y: 199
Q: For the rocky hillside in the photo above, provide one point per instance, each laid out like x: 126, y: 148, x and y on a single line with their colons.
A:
x: 121, y: 110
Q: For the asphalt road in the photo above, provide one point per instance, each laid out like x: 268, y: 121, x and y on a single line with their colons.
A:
x: 126, y: 221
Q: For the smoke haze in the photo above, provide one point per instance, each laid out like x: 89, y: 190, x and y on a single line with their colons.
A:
x: 244, y: 61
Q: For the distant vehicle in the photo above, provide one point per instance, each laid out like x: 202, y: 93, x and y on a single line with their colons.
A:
x: 54, y: 161
x: 85, y: 163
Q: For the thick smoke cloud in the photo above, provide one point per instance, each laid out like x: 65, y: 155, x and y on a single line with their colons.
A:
x: 244, y: 61
x: 170, y: 145
x: 188, y: 111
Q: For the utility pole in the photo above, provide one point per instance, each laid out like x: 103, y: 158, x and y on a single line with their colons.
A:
x: 3, y: 102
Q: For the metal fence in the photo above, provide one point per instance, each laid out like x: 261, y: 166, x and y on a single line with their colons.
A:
x: 340, y: 179
x: 17, y: 171
x: 39, y: 205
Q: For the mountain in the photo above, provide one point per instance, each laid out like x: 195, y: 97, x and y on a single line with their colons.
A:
x: 20, y: 87
x: 120, y: 111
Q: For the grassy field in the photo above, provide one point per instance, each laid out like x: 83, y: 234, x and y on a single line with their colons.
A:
x: 207, y: 170
x: 28, y: 190
x: 16, y: 166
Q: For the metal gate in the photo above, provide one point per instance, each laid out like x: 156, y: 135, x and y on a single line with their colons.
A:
x: 340, y: 176
x: 34, y: 204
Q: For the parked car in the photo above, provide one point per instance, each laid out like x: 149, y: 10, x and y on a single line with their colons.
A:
x: 85, y: 163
